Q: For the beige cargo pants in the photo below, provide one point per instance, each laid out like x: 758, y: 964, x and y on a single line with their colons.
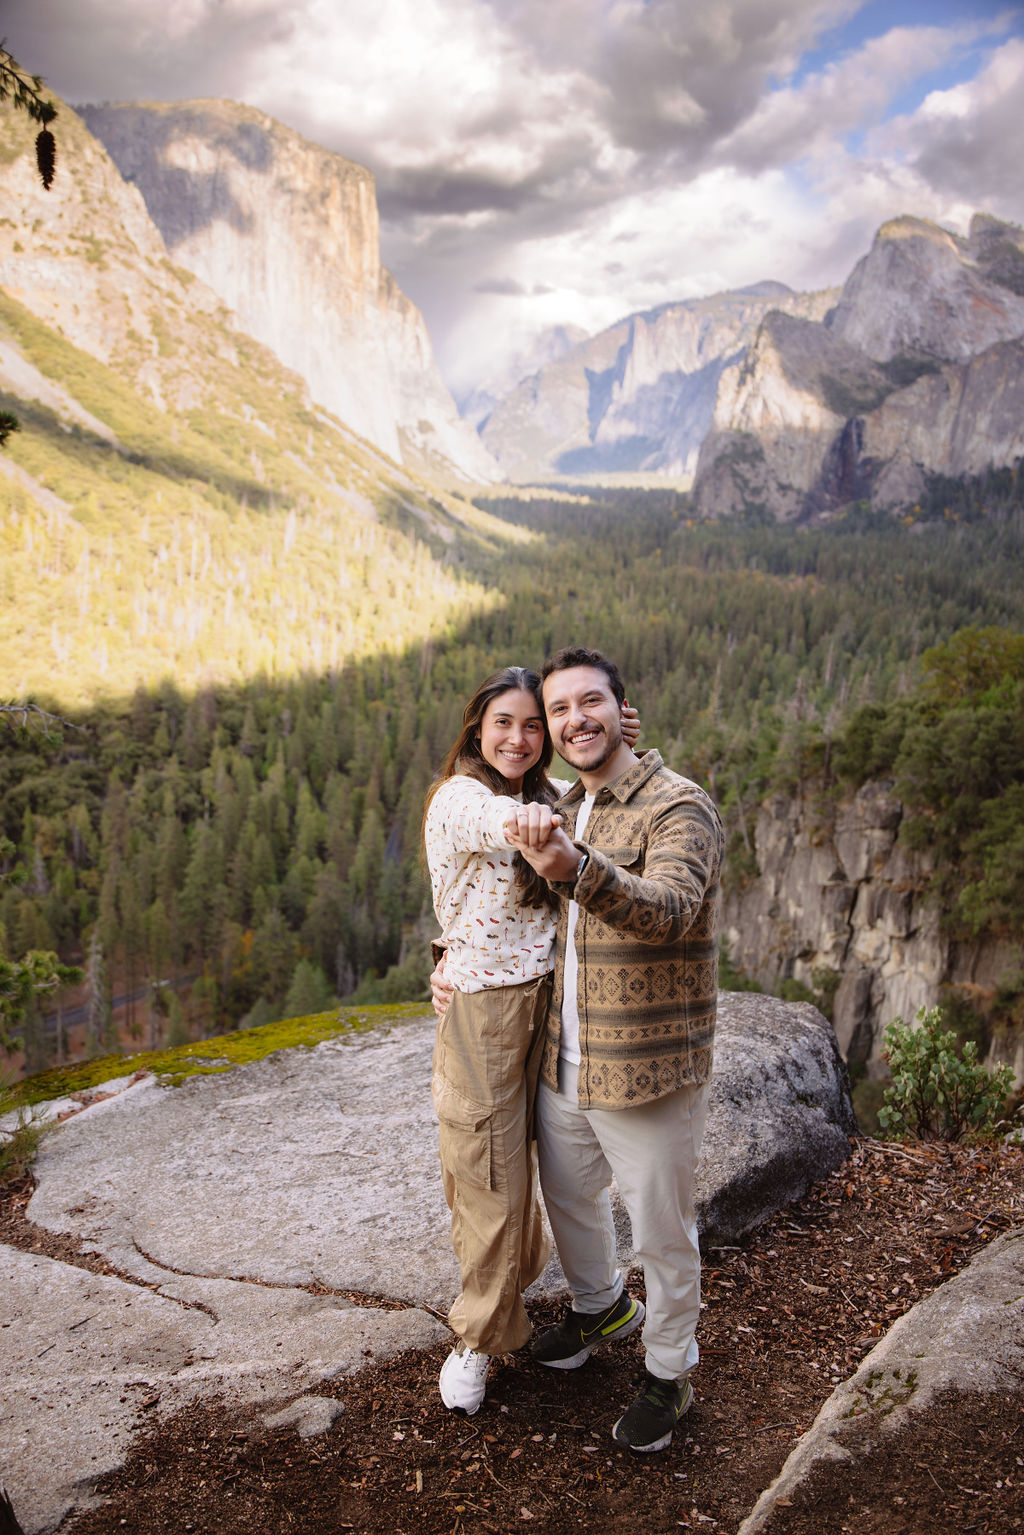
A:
x: 486, y: 1064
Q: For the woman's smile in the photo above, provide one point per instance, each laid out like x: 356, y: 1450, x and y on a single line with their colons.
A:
x: 512, y: 734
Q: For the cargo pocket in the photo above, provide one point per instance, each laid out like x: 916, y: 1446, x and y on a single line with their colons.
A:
x: 465, y: 1133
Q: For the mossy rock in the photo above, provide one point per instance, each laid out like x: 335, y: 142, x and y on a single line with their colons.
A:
x: 207, y: 1057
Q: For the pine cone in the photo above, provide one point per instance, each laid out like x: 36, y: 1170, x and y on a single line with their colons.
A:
x: 46, y: 157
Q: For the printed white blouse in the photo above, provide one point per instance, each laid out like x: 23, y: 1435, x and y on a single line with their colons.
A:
x: 493, y: 940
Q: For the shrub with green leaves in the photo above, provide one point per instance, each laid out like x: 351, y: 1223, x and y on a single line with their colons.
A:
x: 939, y: 1092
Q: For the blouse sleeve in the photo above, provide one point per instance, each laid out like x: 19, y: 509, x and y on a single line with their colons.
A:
x: 469, y: 816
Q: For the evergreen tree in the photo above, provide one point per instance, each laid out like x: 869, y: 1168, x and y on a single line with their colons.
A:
x: 97, y: 998
x: 308, y: 992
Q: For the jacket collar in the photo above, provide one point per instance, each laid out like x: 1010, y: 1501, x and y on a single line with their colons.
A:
x: 623, y: 787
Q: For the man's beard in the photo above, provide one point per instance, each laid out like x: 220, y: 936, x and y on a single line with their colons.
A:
x: 608, y: 752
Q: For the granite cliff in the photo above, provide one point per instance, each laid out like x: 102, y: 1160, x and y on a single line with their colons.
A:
x: 796, y: 405
x: 640, y: 396
x: 287, y: 235
x: 837, y: 897
x: 916, y: 372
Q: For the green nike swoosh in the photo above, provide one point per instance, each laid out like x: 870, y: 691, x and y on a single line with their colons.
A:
x: 584, y: 1333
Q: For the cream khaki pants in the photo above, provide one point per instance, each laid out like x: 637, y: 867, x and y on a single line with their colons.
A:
x: 486, y: 1063
x: 652, y: 1153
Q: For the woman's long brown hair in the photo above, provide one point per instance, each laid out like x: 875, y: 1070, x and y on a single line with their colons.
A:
x: 465, y: 757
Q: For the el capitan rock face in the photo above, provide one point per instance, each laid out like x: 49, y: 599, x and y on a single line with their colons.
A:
x: 918, y: 371
x: 287, y: 234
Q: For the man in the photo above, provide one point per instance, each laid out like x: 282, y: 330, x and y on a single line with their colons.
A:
x: 630, y: 1035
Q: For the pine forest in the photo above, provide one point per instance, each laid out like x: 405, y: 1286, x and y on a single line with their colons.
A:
x: 237, y: 838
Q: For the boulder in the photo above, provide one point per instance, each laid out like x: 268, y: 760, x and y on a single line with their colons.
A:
x: 968, y: 1336
x: 224, y: 1202
x: 780, y: 1116
x: 320, y: 1167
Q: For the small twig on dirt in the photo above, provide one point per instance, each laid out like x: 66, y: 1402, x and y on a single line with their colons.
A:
x: 493, y: 1478
x: 929, y: 1471
x: 899, y: 1151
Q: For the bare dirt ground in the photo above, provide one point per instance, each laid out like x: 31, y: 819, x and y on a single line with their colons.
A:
x: 787, y: 1315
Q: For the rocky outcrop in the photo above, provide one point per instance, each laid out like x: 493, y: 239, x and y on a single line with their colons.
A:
x: 239, y: 1213
x: 966, y: 1337
x: 778, y: 415
x: 840, y: 899
x: 956, y: 422
x: 922, y: 292
x: 918, y: 371
x: 638, y: 397
x: 779, y: 1114
x: 287, y: 235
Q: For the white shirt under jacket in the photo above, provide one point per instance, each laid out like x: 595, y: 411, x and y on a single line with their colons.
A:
x: 493, y: 940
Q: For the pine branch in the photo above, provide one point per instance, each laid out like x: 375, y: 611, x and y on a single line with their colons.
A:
x: 23, y: 716
x: 26, y: 93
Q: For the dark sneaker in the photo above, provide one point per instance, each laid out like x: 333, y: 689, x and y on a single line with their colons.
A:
x: 572, y: 1342
x: 649, y: 1422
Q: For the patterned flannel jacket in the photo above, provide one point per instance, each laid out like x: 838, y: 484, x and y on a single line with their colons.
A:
x: 646, y: 938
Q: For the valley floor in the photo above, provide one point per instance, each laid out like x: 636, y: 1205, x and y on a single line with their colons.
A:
x: 788, y: 1314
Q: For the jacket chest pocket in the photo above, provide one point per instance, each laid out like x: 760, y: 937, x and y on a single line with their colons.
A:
x: 628, y: 856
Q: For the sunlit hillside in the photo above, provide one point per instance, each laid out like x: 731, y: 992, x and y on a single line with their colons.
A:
x: 173, y: 505
x: 138, y: 544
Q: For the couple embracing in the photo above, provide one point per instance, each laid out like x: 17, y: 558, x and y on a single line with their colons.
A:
x: 577, y: 998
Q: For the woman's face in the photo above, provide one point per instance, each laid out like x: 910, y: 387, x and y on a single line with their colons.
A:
x: 512, y: 734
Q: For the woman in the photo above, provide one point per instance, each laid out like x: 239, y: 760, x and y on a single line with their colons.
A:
x: 498, y: 923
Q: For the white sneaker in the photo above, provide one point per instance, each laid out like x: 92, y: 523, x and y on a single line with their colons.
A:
x: 464, y: 1379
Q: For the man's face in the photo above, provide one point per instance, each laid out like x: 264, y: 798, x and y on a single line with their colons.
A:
x: 583, y: 716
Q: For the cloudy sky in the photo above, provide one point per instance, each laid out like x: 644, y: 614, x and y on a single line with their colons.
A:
x: 548, y: 162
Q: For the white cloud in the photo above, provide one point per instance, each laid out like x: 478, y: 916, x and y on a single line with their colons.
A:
x: 847, y: 96
x: 716, y: 232
x: 422, y: 82
x: 549, y: 161
x: 967, y: 142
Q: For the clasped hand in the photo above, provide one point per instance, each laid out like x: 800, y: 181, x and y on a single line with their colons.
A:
x: 537, y: 832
